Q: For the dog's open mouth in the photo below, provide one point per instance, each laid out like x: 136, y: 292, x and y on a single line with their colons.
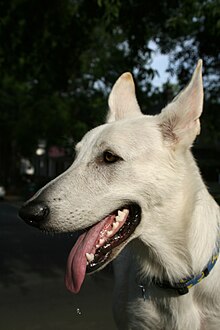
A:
x: 95, y: 247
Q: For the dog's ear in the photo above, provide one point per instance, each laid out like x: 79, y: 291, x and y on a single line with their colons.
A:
x: 179, y: 121
x: 122, y: 99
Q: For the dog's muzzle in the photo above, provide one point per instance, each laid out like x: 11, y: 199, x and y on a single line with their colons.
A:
x: 34, y: 213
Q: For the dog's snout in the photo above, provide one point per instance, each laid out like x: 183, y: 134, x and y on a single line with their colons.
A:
x: 34, y: 213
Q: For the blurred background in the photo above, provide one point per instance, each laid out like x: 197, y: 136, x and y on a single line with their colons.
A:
x: 58, y: 61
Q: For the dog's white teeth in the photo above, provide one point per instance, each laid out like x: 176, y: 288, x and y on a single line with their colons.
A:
x: 101, y: 241
x: 121, y: 215
x: 118, y: 219
x: 125, y: 211
x: 115, y: 225
x: 109, y: 233
x: 90, y: 257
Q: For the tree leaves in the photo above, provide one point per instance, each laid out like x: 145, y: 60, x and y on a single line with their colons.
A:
x: 59, y: 58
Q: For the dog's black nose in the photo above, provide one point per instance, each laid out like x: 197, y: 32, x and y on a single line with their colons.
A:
x: 34, y: 213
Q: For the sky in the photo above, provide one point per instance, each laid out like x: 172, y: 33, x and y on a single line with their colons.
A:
x: 160, y: 63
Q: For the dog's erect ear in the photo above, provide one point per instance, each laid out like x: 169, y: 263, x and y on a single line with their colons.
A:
x: 179, y: 121
x: 122, y: 99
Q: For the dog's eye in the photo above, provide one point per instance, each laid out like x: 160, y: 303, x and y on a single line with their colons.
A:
x: 109, y: 157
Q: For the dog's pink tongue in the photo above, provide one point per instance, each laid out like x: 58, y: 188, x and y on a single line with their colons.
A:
x: 76, y: 263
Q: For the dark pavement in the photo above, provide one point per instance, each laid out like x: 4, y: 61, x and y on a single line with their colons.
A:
x: 32, y: 291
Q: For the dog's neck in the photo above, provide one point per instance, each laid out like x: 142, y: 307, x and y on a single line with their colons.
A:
x: 203, y: 224
x: 189, y: 247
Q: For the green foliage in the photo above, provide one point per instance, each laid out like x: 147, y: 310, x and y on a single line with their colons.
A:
x: 59, y: 58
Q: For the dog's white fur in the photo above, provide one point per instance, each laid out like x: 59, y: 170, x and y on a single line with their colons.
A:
x: 179, y: 226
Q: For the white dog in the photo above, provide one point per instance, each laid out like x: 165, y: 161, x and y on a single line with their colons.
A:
x: 134, y: 186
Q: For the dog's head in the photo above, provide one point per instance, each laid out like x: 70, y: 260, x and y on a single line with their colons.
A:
x: 124, y: 173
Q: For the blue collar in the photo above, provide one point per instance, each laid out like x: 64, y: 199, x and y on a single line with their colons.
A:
x: 182, y: 286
